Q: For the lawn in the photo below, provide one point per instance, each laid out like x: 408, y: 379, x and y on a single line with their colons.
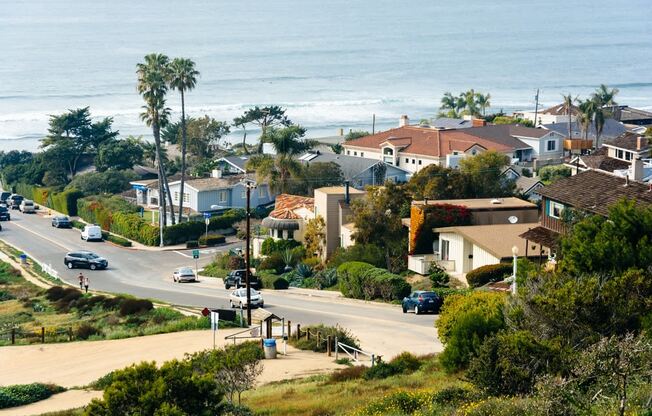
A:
x: 68, y: 314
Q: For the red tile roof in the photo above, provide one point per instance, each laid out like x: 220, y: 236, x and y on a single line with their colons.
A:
x: 439, y: 143
x: 286, y: 204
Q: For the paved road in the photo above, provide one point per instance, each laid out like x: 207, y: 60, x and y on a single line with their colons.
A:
x: 381, y: 328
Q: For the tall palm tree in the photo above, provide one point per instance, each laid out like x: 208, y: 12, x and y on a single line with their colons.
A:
x: 586, y: 111
x: 182, y: 76
x: 448, y: 102
x: 568, y: 107
x: 482, y: 101
x: 152, y: 85
x: 605, y: 96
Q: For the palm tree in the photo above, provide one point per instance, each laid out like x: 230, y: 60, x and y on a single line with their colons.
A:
x: 586, y: 111
x: 448, y: 102
x: 605, y: 96
x: 568, y: 107
x: 152, y: 85
x: 182, y: 76
x: 482, y: 101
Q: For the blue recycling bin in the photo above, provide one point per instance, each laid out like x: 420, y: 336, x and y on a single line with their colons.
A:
x: 269, y: 346
x: 23, y: 258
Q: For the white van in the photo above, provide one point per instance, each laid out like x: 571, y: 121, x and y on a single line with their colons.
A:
x: 91, y: 232
x: 27, y: 206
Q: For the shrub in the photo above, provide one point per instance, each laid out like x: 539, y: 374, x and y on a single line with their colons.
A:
x: 381, y: 370
x: 326, y: 278
x: 454, y: 395
x: 135, y: 306
x: 212, y: 240
x: 348, y: 373
x: 399, y: 403
x: 134, y: 227
x: 304, y: 270
x: 213, y: 270
x: 487, y: 274
x: 274, y: 262
x: 549, y: 174
x: 55, y: 293
x: 22, y: 394
x: 363, y: 281
x: 192, y: 244
x: 343, y: 335
x: 405, y: 363
x: 350, y: 277
x: 4, y: 295
x: 85, y: 331
x: 271, y: 281
x: 66, y: 201
x: 78, y: 224
x: 464, y: 323
x: 118, y: 240
x: 271, y: 246
x: 366, y: 253
x: 438, y: 276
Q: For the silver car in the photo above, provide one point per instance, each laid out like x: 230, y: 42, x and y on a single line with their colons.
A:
x: 184, y: 274
x: 238, y: 298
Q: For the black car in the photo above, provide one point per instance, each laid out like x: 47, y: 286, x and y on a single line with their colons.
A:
x: 4, y: 196
x: 14, y: 201
x: 61, y: 222
x: 237, y: 278
x: 4, y: 214
x: 85, y: 259
x: 421, y: 301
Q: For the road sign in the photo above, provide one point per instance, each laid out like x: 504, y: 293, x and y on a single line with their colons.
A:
x: 208, y: 221
x: 207, y: 215
x: 195, y: 254
x: 205, y: 311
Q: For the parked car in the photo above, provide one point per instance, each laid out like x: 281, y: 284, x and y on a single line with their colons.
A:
x: 27, y: 206
x: 238, y: 298
x: 421, y: 301
x: 237, y: 279
x: 61, y: 221
x: 4, y: 196
x: 184, y: 274
x: 86, y: 259
x: 92, y: 233
x: 4, y: 214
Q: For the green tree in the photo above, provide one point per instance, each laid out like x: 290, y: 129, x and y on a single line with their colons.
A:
x: 317, y: 175
x: 203, y: 133
x: 483, y: 101
x: 263, y: 117
x: 614, y: 244
x: 72, y: 135
x: 355, y: 134
x: 438, y: 182
x: 484, y: 171
x: 119, y: 154
x: 152, y: 85
x: 182, y: 76
x: 108, y: 182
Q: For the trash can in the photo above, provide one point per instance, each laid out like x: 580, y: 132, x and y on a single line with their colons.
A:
x: 269, y: 345
x: 23, y: 258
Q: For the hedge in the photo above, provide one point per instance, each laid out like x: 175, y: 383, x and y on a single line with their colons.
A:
x: 64, y: 202
x: 487, y: 274
x: 22, y: 394
x: 211, y: 240
x: 118, y: 240
x: 193, y: 230
x: 272, y: 281
x: 134, y: 227
x: 271, y: 246
x: 363, y: 281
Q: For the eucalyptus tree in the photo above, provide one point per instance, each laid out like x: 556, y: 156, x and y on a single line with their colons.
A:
x: 265, y: 118
x: 152, y: 85
x: 182, y: 76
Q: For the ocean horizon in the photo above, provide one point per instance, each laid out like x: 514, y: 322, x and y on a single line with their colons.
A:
x: 333, y: 65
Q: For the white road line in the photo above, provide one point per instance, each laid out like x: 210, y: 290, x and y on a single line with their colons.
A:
x: 43, y: 237
x: 183, y: 254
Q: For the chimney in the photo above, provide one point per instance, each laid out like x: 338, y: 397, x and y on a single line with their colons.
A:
x: 347, y: 197
x: 216, y: 173
x: 641, y: 142
x: 478, y: 122
x: 404, y: 121
x: 636, y: 171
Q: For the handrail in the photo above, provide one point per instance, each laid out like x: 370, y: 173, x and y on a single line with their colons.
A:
x: 352, y: 352
x: 249, y: 330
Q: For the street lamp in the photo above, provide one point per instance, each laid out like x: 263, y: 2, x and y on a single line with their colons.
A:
x: 515, y: 254
x: 249, y: 185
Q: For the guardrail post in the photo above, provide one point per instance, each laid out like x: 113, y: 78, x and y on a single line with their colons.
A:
x: 70, y: 333
x: 328, y: 345
x: 373, y: 360
x: 337, y: 349
x: 298, y: 331
x: 42, y: 335
x: 13, y: 336
x: 289, y: 329
x: 318, y: 339
x: 308, y: 334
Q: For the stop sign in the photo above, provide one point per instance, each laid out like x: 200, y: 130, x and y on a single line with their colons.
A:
x: 205, y: 312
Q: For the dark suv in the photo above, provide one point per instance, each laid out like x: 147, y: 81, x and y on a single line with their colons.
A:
x: 4, y: 196
x: 237, y: 278
x: 85, y: 259
x: 14, y: 201
x: 4, y: 214
x: 61, y: 222
x: 421, y: 301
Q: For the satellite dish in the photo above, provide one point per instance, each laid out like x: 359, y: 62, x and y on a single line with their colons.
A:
x: 513, y: 219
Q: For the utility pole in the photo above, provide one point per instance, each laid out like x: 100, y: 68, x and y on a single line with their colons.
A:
x: 249, y: 185
x: 373, y: 124
x: 536, y: 108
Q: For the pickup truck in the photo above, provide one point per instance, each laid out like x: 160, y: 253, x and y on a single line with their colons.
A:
x: 236, y: 278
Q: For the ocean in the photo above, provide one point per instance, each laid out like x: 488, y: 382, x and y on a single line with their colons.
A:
x: 332, y: 63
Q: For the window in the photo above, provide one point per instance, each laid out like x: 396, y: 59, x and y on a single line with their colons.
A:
x: 222, y: 196
x: 407, y: 160
x: 261, y: 192
x: 388, y: 151
x: 243, y: 194
x: 361, y: 154
x: 419, y: 161
x: 348, y: 152
x: 176, y: 195
x: 619, y: 154
x: 628, y: 155
x: 551, y: 145
x: 290, y: 234
x: 414, y: 162
x: 445, y: 249
x: 555, y: 209
x: 355, y: 153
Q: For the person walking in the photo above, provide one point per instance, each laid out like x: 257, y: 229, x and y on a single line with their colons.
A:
x: 81, y: 281
x: 86, y: 283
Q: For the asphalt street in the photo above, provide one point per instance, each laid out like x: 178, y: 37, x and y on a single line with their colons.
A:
x: 382, y: 328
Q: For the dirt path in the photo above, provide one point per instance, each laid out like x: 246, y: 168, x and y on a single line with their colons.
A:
x: 71, y: 399
x: 77, y: 364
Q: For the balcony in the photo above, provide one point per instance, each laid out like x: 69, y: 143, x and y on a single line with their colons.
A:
x: 578, y: 144
x: 420, y: 263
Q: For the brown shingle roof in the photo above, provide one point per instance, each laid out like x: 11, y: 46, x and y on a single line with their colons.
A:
x: 559, y: 110
x: 595, y: 191
x: 629, y: 141
x: 603, y: 162
x: 286, y: 204
x: 208, y: 184
x: 439, y: 143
